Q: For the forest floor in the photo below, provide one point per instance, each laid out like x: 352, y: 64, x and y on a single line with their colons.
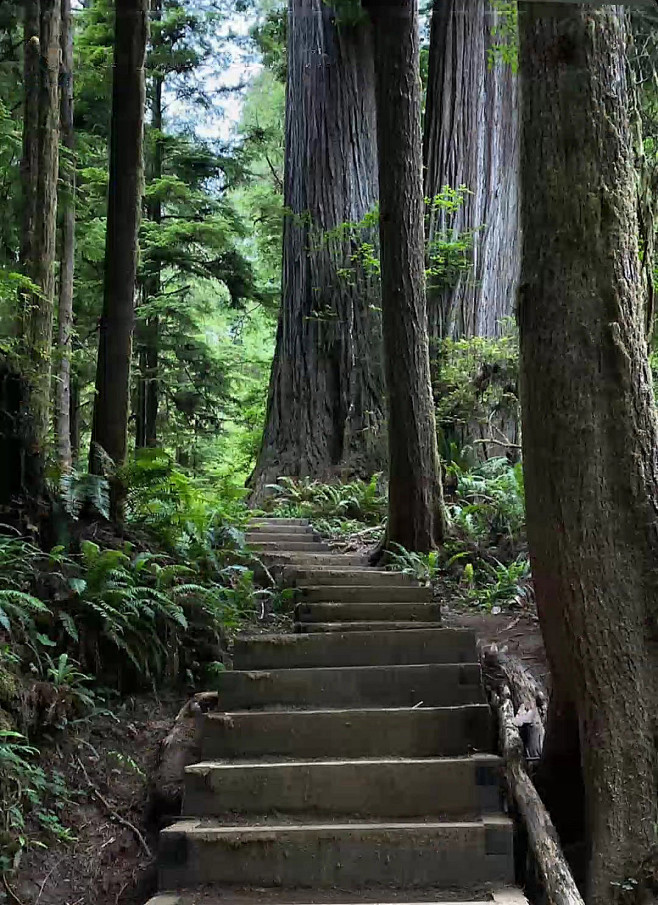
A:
x: 107, y: 766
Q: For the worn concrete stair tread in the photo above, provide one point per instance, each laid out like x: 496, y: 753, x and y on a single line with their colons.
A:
x: 259, y: 521
x: 282, y: 539
x: 400, y: 853
x: 306, y: 628
x: 300, y: 577
x: 372, y: 787
x: 367, y: 612
x: 384, y: 732
x: 373, y: 896
x: 303, y: 546
x: 315, y: 560
x: 366, y: 648
x: 436, y: 684
x: 365, y: 594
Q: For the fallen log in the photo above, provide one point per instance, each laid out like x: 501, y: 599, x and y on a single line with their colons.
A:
x: 555, y: 873
x: 527, y: 696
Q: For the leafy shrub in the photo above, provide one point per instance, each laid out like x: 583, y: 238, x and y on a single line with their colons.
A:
x: 360, y: 501
x: 489, y: 501
x: 475, y: 387
x: 26, y: 790
x: 423, y: 567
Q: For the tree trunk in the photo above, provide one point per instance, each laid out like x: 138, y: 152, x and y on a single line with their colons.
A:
x: 325, y: 415
x: 40, y: 169
x: 589, y: 425
x: 416, y: 518
x: 471, y: 138
x: 67, y: 254
x: 110, y: 420
x: 149, y: 330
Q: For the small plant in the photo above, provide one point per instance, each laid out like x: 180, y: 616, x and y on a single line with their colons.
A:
x: 423, y: 567
x: 27, y: 791
x: 359, y: 501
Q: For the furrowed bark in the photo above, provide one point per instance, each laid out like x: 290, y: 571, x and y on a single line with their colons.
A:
x: 40, y: 168
x: 325, y: 414
x: 587, y: 397
x: 67, y: 253
x: 416, y: 518
x: 110, y: 420
x: 471, y: 138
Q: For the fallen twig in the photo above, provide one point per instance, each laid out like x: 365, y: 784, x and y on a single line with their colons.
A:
x: 114, y: 814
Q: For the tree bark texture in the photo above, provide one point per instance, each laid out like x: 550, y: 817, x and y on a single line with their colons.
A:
x: 325, y: 415
x: 148, y: 333
x: 40, y: 169
x: 471, y: 138
x: 110, y: 421
x: 67, y: 250
x: 589, y: 426
x: 416, y: 517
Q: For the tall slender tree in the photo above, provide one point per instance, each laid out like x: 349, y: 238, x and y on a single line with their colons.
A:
x: 325, y: 414
x: 471, y: 139
x: 590, y: 434
x: 39, y: 170
x: 67, y: 245
x: 416, y: 518
x: 146, y: 415
x: 110, y: 420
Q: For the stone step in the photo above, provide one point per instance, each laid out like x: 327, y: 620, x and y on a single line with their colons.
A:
x: 294, y: 576
x: 436, y: 685
x: 318, y: 560
x: 348, y: 855
x: 373, y: 895
x: 308, y: 628
x: 282, y: 540
x: 274, y: 547
x: 279, y: 522
x: 287, y: 529
x: 368, y: 612
x: 390, y: 732
x: 355, y: 649
x: 366, y: 594
x: 386, y: 788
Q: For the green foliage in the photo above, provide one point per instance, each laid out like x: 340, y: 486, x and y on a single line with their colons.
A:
x: 476, y: 384
x: 27, y: 791
x: 424, y: 567
x: 489, y: 502
x: 505, y: 47
x: 361, y: 501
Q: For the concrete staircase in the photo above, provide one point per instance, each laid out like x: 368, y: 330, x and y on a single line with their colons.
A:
x: 353, y: 755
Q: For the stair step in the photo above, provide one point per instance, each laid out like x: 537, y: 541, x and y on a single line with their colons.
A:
x: 300, y: 578
x: 282, y: 540
x: 307, y: 628
x: 318, y: 560
x: 366, y: 594
x: 386, y: 732
x: 286, y: 530
x: 279, y: 522
x: 350, y: 855
x: 434, y: 685
x: 306, y: 546
x: 355, y: 649
x: 368, y: 612
x: 386, y: 788
x: 370, y: 896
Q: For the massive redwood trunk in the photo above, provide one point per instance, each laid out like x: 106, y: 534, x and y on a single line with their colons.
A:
x: 416, y: 518
x: 589, y: 424
x: 67, y: 247
x: 110, y: 422
x: 325, y: 414
x: 471, y: 138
